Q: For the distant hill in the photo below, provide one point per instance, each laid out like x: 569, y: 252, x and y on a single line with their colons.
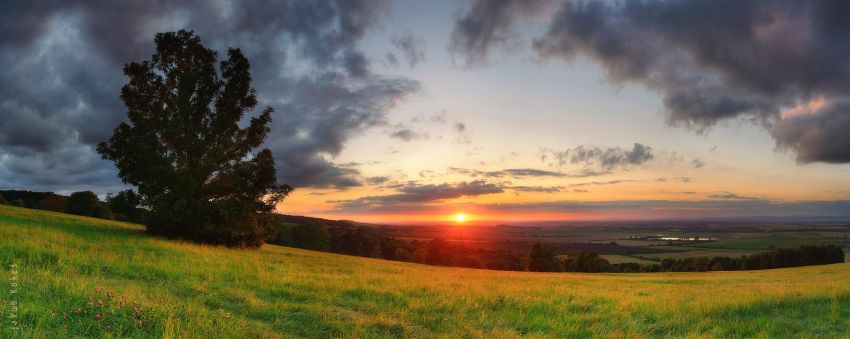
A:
x: 299, y: 219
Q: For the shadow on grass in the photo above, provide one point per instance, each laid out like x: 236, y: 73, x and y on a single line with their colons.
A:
x: 788, y: 316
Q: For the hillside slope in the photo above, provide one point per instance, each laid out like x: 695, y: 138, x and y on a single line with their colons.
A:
x: 87, y: 277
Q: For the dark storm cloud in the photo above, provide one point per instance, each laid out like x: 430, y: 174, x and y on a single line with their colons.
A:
x: 411, y: 193
x: 604, y: 158
x: 823, y: 136
x: 720, y: 60
x: 487, y: 24
x: 60, y: 76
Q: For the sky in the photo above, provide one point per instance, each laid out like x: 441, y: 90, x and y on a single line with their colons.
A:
x: 506, y: 111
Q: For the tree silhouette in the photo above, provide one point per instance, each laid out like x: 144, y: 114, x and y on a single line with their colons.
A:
x: 199, y: 172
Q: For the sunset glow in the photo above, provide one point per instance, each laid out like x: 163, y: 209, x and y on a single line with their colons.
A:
x: 460, y: 218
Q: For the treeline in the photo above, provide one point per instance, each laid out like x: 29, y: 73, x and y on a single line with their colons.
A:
x: 542, y: 258
x: 359, y: 241
x: 122, y: 206
x: 783, y: 257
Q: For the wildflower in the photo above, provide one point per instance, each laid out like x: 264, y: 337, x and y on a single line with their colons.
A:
x: 98, y: 289
x: 227, y: 315
x: 97, y: 316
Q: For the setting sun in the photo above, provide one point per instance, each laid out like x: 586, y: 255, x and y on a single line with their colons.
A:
x: 460, y: 217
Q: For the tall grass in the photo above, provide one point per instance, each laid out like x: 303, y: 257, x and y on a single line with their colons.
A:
x: 159, y: 288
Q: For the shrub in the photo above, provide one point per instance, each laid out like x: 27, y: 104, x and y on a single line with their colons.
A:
x: 311, y: 236
x: 86, y: 203
x: 542, y: 259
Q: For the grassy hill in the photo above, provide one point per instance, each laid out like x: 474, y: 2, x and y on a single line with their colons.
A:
x: 72, y: 270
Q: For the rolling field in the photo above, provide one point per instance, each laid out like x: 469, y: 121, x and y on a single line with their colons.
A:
x: 78, y: 276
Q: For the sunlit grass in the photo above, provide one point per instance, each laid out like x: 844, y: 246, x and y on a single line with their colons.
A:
x: 186, y: 290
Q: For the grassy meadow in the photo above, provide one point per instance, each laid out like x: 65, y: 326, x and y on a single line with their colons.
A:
x: 83, y: 277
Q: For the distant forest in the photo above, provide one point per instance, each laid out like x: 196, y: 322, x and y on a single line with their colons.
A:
x: 351, y: 238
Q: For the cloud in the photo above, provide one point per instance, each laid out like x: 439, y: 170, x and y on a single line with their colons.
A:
x: 377, y: 180
x: 601, y: 183
x: 511, y: 173
x: 537, y: 189
x: 407, y: 134
x: 460, y: 127
x: 770, y: 62
x: 697, y: 163
x: 524, y: 172
x: 606, y: 159
x: 60, y: 78
x: 487, y: 24
x: 416, y: 193
x: 680, y: 179
x: 438, y: 118
x: 733, y: 196
x: 823, y: 136
x: 411, y: 47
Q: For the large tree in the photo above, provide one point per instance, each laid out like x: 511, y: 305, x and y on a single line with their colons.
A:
x: 203, y: 176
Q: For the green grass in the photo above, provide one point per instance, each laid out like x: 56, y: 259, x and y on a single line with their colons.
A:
x: 185, y: 290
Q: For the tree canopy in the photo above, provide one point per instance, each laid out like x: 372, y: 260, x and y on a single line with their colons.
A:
x: 203, y: 177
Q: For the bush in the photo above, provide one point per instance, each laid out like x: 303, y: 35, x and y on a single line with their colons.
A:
x: 127, y: 204
x: 311, y: 236
x: 53, y: 202
x: 542, y: 259
x: 437, y: 253
x: 282, y: 233
x: 86, y: 203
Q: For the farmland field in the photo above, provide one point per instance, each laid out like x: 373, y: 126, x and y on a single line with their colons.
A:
x: 621, y: 242
x: 79, y: 276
